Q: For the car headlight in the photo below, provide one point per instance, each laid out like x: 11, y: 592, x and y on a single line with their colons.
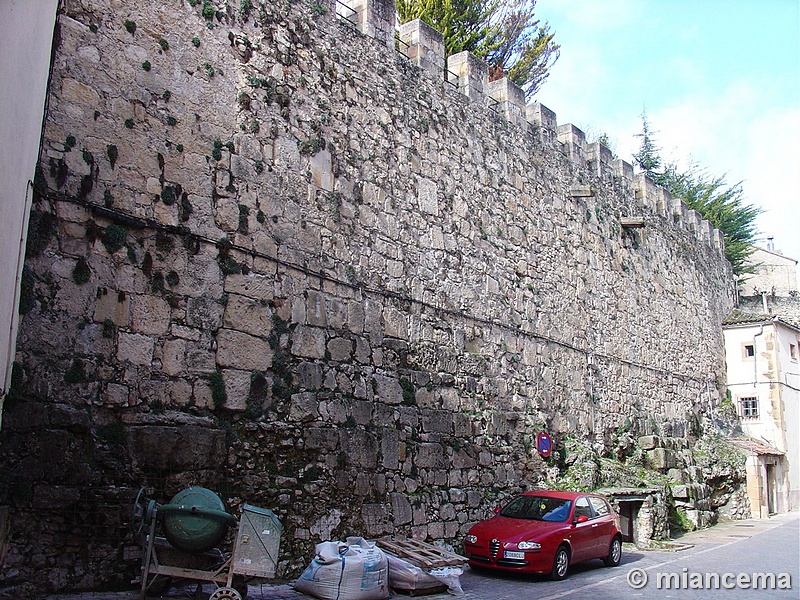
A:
x: 472, y: 539
x: 528, y: 546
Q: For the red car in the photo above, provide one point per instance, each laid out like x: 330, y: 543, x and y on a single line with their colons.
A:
x: 544, y: 532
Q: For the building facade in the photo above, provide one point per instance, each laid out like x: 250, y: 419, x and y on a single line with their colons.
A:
x: 762, y: 348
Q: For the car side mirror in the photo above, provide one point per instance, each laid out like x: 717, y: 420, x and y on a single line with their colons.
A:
x: 581, y: 519
x: 497, y: 510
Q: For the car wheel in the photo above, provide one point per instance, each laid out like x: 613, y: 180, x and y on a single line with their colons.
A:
x: 614, y: 553
x: 560, y: 564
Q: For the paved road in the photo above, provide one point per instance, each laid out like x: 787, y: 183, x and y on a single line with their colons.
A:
x: 740, y: 547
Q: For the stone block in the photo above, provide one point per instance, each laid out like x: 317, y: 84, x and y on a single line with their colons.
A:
x: 390, y: 449
x: 676, y: 476
x: 253, y: 285
x: 508, y: 99
x: 304, y: 407
x: 75, y: 92
x: 248, y: 315
x: 649, y: 442
x: 321, y: 170
x: 436, y: 530
x: 200, y: 360
x: 427, y: 196
x: 308, y: 342
x: 661, y: 459
x: 340, y: 349
x: 462, y: 460
x: 388, y: 390
x: 177, y: 448
x: 309, y: 375
x: 429, y: 456
x: 242, y: 351
x: 321, y: 438
x: 150, y: 315
x: 469, y: 73
x: 237, y: 388
x: 575, y: 141
x: 116, y: 394
x: 680, y: 491
x: 401, y: 509
x: 173, y: 357
x: 423, y: 45
x: 437, y: 421
x: 135, y: 348
x: 113, y: 306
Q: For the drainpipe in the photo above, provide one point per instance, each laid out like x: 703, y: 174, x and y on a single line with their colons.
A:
x: 755, y: 355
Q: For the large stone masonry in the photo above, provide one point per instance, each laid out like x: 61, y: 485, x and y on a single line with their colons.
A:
x: 275, y: 257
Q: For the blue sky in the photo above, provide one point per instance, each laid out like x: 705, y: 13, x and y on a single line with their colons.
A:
x: 719, y: 80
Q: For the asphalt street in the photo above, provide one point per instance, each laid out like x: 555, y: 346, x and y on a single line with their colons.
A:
x: 728, y: 554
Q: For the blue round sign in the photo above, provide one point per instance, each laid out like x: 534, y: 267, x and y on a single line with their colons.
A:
x: 544, y: 444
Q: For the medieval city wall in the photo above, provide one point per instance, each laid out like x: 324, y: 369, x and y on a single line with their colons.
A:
x: 274, y: 255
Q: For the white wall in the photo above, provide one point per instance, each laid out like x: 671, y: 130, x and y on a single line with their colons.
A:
x: 26, y: 34
x: 779, y: 430
x: 789, y: 373
x: 743, y: 372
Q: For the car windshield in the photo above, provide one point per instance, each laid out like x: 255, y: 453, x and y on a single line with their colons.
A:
x: 538, y: 508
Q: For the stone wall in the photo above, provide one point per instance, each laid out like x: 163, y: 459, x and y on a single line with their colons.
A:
x: 784, y: 307
x: 291, y: 265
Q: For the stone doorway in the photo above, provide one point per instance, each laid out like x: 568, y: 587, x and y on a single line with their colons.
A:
x: 628, y: 517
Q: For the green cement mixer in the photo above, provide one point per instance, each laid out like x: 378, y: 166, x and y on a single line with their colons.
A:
x: 195, y: 522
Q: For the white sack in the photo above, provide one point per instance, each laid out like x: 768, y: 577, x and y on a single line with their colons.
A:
x: 405, y: 576
x: 352, y: 570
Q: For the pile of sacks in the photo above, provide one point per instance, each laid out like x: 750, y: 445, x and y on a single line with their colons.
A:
x: 358, y: 570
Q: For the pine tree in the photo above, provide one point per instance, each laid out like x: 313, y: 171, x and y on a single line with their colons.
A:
x: 505, y: 33
x: 720, y: 204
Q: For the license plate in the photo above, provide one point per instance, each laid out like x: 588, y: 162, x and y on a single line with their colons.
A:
x: 514, y: 555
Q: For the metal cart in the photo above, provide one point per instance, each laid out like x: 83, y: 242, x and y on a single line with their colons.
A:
x: 193, y: 522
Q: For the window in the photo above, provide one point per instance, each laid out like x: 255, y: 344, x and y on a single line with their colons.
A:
x: 748, y: 351
x: 793, y: 351
x: 749, y: 407
x: 582, y: 508
x: 600, y: 506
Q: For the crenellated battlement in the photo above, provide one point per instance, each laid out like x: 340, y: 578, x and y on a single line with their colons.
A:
x: 424, y: 46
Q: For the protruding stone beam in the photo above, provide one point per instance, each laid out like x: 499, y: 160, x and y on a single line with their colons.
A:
x: 632, y: 222
x: 508, y: 99
x: 470, y: 74
x: 424, y: 46
x: 581, y: 191
x: 544, y: 122
x: 574, y: 140
x: 374, y: 18
x: 599, y: 159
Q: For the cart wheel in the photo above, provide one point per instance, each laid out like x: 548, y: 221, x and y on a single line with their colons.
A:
x: 240, y: 585
x: 139, y: 512
x: 225, y: 593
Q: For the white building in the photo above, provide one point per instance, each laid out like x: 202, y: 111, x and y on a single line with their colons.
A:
x: 762, y: 353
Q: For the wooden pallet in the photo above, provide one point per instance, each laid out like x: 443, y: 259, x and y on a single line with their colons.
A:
x: 421, y: 554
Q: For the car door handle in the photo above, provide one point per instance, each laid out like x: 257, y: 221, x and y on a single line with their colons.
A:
x: 595, y: 525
